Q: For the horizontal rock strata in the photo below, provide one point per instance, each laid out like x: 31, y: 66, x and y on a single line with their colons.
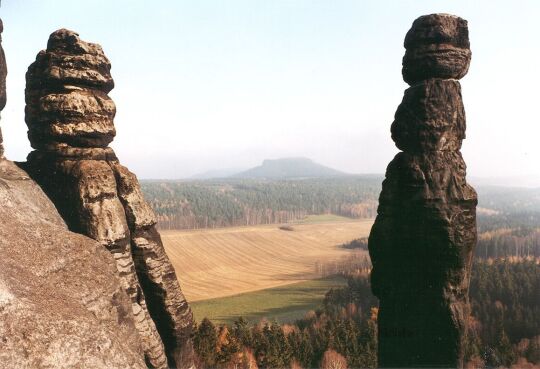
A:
x: 61, y: 301
x: 70, y: 124
x: 437, y: 46
x: 422, y: 241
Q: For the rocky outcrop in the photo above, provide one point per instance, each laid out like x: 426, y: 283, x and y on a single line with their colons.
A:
x: 422, y: 241
x: 70, y: 121
x: 61, y: 302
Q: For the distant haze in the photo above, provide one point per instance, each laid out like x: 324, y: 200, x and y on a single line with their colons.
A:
x: 211, y: 85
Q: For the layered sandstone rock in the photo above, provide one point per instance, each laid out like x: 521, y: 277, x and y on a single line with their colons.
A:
x: 422, y: 241
x: 70, y: 121
x: 437, y: 46
x: 61, y: 302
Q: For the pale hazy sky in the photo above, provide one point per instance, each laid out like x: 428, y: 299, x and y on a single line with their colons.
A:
x: 218, y: 84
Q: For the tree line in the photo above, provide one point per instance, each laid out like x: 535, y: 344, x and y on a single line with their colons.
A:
x: 241, y: 202
x: 333, y: 337
x: 520, y: 242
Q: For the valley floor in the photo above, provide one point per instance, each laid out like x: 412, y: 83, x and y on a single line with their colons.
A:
x: 222, y: 262
x: 285, y: 304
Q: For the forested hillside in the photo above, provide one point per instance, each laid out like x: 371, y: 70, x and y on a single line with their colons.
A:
x: 239, y: 202
x: 508, y: 222
x: 518, y: 242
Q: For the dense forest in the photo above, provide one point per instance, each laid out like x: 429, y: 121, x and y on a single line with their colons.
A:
x: 508, y: 223
x: 505, y: 299
x: 518, y: 242
x: 504, y: 327
x: 240, y: 202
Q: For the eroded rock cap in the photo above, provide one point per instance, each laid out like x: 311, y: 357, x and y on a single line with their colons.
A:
x: 66, y: 95
x: 437, y: 46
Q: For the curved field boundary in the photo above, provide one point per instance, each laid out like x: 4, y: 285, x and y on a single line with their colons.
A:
x: 228, y: 261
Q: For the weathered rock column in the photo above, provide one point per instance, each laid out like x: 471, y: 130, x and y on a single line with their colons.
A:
x: 422, y: 241
x: 70, y: 121
x: 61, y: 301
x: 3, y: 74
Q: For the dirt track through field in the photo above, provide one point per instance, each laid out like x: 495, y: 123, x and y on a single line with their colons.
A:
x: 223, y: 262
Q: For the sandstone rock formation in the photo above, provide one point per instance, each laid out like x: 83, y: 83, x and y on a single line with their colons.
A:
x: 3, y: 74
x: 422, y: 241
x: 70, y: 121
x: 61, y: 302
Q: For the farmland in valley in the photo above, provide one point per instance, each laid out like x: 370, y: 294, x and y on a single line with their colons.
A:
x: 215, y: 263
x: 284, y: 304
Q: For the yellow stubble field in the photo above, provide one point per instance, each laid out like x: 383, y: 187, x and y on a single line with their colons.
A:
x: 228, y: 261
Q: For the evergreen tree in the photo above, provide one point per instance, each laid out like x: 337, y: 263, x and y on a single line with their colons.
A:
x: 503, y: 347
x: 241, y: 331
x: 306, y: 351
x: 228, y: 349
x: 205, y: 343
x: 369, y: 344
x: 279, y: 355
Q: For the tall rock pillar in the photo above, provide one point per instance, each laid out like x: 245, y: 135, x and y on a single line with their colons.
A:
x: 421, y: 244
x: 70, y: 125
x: 3, y: 74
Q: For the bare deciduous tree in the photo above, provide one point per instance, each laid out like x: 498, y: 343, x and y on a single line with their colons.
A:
x: 333, y: 360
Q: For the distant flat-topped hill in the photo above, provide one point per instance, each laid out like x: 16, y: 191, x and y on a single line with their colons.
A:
x: 287, y: 168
